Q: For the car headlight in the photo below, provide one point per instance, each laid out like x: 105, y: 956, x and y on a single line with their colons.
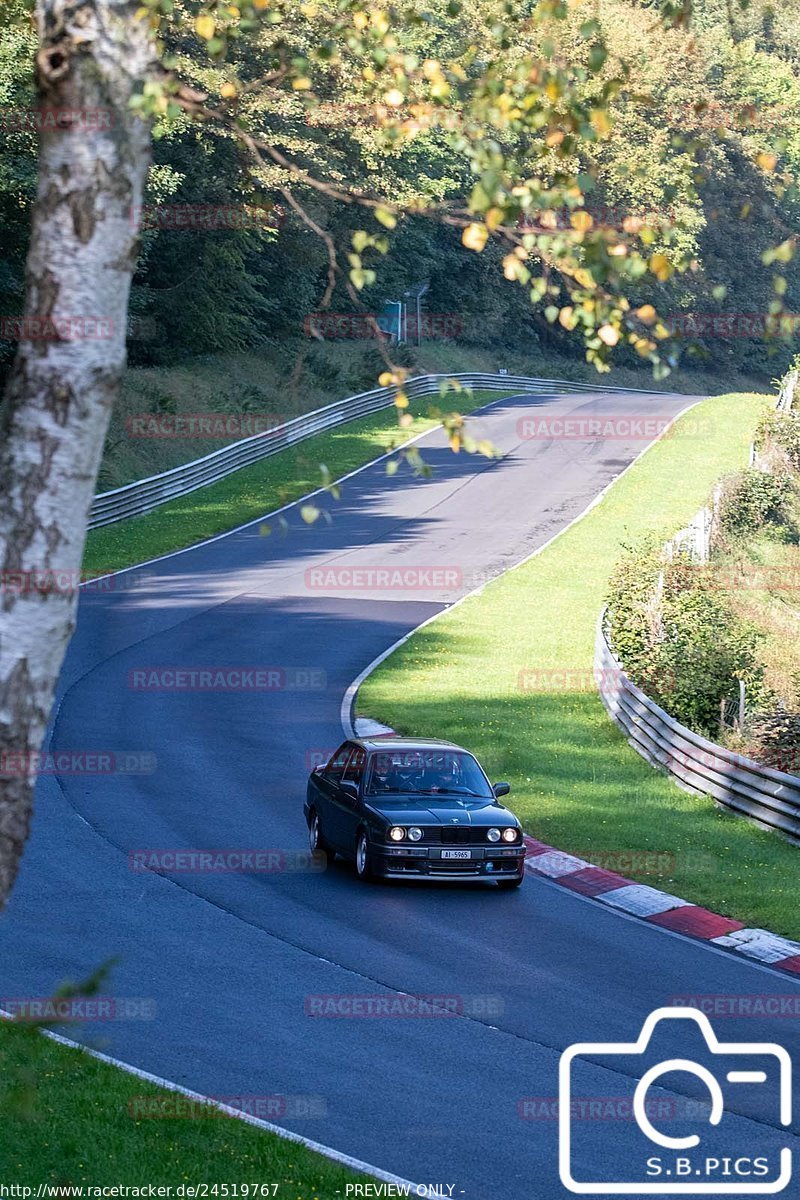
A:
x: 415, y: 834
x: 509, y: 835
x: 493, y: 835
x: 397, y: 833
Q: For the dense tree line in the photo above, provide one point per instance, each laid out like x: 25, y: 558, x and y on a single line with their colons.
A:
x: 706, y: 165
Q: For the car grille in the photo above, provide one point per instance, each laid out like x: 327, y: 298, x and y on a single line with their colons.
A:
x: 458, y: 835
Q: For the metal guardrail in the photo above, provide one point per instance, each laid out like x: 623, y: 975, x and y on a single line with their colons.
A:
x: 770, y: 798
x: 787, y: 390
x: 144, y: 495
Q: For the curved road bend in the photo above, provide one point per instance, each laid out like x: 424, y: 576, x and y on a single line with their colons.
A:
x: 229, y: 960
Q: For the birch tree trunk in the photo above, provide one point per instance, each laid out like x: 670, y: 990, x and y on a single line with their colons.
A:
x: 93, y: 158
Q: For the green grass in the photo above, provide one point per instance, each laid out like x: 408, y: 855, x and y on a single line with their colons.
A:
x: 254, y: 491
x: 576, y: 783
x: 66, y: 1118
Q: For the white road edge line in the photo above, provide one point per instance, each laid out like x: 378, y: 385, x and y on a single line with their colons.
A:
x: 346, y: 711
x: 345, y: 1160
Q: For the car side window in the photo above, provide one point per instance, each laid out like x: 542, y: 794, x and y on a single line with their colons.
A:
x: 355, y: 768
x: 336, y: 766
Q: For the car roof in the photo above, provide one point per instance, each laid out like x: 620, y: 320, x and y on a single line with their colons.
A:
x: 391, y: 741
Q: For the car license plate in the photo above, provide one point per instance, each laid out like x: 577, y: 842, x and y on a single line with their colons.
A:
x: 456, y: 854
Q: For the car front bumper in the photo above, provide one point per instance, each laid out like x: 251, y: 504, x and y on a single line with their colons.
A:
x: 428, y: 862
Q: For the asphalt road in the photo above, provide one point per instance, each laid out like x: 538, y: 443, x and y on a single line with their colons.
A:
x: 230, y: 960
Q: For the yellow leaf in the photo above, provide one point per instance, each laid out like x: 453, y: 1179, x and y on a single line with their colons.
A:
x: 386, y: 378
x: 474, y: 237
x: 228, y: 91
x: 394, y: 98
x: 646, y: 314
x: 608, y: 334
x: 301, y: 84
x: 767, y: 162
x: 401, y: 400
x: 204, y: 25
x: 385, y: 216
x: 660, y: 266
x: 581, y: 220
x: 601, y: 122
x: 493, y: 218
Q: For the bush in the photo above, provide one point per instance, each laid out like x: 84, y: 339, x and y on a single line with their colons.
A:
x: 776, y: 740
x: 781, y: 429
x: 751, y: 499
x: 679, y: 640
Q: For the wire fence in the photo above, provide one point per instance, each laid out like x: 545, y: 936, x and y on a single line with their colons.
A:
x: 144, y: 495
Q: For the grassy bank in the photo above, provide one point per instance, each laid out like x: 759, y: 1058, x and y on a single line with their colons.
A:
x: 67, y: 1119
x: 509, y: 673
x: 253, y: 491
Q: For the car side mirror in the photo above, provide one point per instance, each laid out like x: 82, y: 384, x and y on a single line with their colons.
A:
x: 501, y: 789
x: 349, y: 789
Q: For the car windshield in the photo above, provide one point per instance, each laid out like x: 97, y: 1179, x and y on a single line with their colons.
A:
x: 426, y: 773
